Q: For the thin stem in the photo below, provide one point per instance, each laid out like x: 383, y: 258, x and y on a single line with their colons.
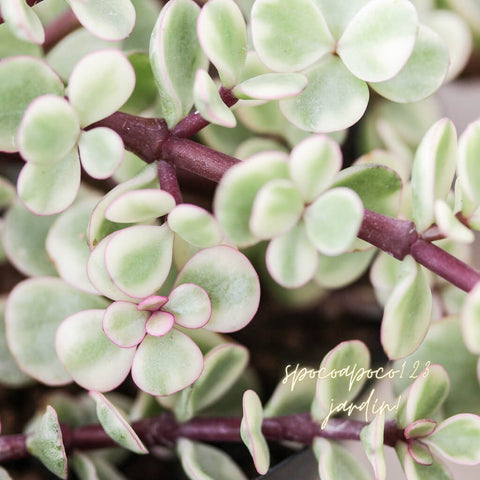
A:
x: 169, y: 181
x: 164, y: 430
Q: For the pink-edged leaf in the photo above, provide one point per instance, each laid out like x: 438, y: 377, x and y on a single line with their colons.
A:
x: 159, y: 323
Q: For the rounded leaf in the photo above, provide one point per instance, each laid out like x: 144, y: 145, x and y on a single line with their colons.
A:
x: 334, y: 99
x: 23, y: 21
x: 101, y: 152
x: 209, y: 103
x: 17, y: 91
x: 190, y: 305
x: 94, y: 362
x: 271, y: 86
x: 277, y: 208
x: 333, y: 220
x: 291, y: 258
x: 420, y: 428
x: 138, y: 258
x: 195, y: 225
x: 251, y: 431
x: 420, y: 452
x: 222, y: 33
x: 100, y: 84
x: 165, y: 365
x: 35, y: 308
x: 152, y: 303
x: 107, y: 19
x: 49, y: 189
x: 372, y: 441
x: 116, y: 426
x: 159, y: 323
x: 471, y: 321
x: 67, y: 246
x: 468, y: 165
x: 424, y: 72
x: 48, y: 131
x: 124, y: 324
x: 230, y: 282
x: 313, y: 164
x: 301, y: 27
x: 175, y: 56
x: 379, y: 39
x: 417, y: 471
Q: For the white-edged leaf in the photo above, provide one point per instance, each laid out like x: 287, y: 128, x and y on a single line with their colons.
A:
x: 17, y: 91
x: 471, y: 321
x: 372, y: 440
x: 100, y: 84
x: 313, y: 164
x: 271, y: 86
x: 301, y: 27
x: 34, y: 310
x: 407, y: 313
x: 46, y: 443
x: 251, y: 431
x: 124, y: 324
x: 195, y: 225
x: 107, y: 19
x: 423, y: 73
x: 468, y: 171
x: 379, y: 39
x: 209, y: 103
x: 417, y: 471
x: 205, y: 462
x: 49, y: 130
x: 175, y: 56
x: 49, y: 189
x: 222, y: 33
x: 138, y: 258
x: 334, y: 99
x: 165, y: 365
x: 22, y: 21
x: 116, y: 425
x: 333, y: 220
x: 450, y: 225
x: 291, y: 258
x: 94, y: 361
x: 101, y: 152
x: 231, y: 283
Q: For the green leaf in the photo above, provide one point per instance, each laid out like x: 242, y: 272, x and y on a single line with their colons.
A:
x: 468, y: 150
x: 195, y: 225
x: 223, y: 366
x: 83, y: 466
x: 67, y: 247
x: 427, y: 393
x: 450, y: 225
x: 209, y: 103
x: 277, y: 208
x: 424, y: 72
x: 167, y: 364
x: 291, y: 258
x: 313, y: 164
x: 35, y: 308
x: 23, y: 21
x: 46, y: 443
x: 138, y: 258
x: 10, y: 374
x: 334, y: 99
x: 223, y: 36
x: 17, y: 91
x: 379, y: 39
x: 101, y: 152
x: 420, y: 428
x: 333, y: 387
x: 372, y: 441
x: 433, y: 171
x: 251, y: 431
x: 416, y: 471
x: 231, y: 283
x: 107, y: 19
x: 271, y: 86
x: 190, y: 305
x: 124, y: 324
x: 333, y: 220
x: 205, y: 462
x: 420, y: 452
x: 471, y: 321
x: 237, y: 190
x: 24, y: 241
x: 378, y: 187
x: 11, y: 46
x: 100, y: 84
x: 7, y: 193
x: 458, y: 439
x: 93, y: 361
x: 175, y: 56
x: 116, y: 425
x: 49, y: 130
x: 407, y: 314
x: 300, y: 25
x: 335, y: 462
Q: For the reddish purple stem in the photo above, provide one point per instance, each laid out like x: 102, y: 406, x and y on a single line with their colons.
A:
x: 168, y: 180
